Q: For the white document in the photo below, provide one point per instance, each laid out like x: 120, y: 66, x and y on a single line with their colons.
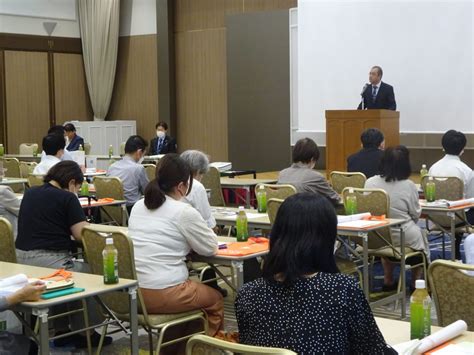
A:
x: 359, y: 224
x: 352, y: 217
x: 79, y: 157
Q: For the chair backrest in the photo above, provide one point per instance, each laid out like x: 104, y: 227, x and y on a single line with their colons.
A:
x: 449, y: 188
x: 26, y: 168
x: 87, y: 148
x: 93, y: 240
x: 203, y: 344
x: 7, y: 242
x: 150, y: 170
x: 212, y: 180
x: 277, y: 191
x: 273, y: 205
x: 28, y: 148
x: 12, y: 169
x: 35, y: 180
x: 377, y: 202
x: 342, y: 179
x: 452, y: 289
x: 110, y: 187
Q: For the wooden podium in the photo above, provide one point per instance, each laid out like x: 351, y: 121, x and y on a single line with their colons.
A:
x: 343, y: 130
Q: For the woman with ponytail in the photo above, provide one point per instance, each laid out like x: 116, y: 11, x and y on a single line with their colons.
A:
x: 164, y: 230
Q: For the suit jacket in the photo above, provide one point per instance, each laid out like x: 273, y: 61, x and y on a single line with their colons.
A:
x: 385, y: 98
x: 366, y: 161
x: 169, y: 146
x: 75, y: 143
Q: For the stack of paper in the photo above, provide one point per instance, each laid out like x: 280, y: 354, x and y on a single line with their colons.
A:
x: 221, y: 166
x: 352, y: 217
x: 447, y: 203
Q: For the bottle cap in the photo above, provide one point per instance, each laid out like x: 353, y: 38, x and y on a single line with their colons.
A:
x: 241, y: 208
x: 423, y: 166
x: 261, y: 187
x: 420, y: 284
x: 430, y: 178
x: 109, y: 241
x: 351, y: 190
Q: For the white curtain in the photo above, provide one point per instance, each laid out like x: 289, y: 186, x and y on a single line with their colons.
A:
x: 99, y: 23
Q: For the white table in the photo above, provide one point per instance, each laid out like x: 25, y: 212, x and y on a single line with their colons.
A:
x: 363, y: 234
x: 451, y: 213
x: 94, y: 286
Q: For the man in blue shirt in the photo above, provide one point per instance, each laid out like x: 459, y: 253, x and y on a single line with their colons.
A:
x: 130, y: 170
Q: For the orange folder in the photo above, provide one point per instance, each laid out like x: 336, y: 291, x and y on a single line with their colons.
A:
x: 251, y: 246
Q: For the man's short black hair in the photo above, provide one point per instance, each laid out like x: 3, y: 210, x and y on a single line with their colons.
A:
x: 379, y: 70
x: 162, y: 124
x: 135, y: 143
x: 395, y: 163
x: 371, y: 138
x: 52, y: 143
x: 453, y: 142
x: 57, y: 129
x: 69, y: 127
x: 305, y: 150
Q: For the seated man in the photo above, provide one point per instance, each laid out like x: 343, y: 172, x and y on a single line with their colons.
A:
x: 73, y: 141
x: 163, y: 143
x: 301, y: 173
x: 53, y: 147
x: 19, y: 344
x: 130, y: 170
x: 59, y: 130
x: 367, y: 159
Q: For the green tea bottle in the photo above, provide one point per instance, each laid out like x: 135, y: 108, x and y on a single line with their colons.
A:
x: 242, y: 225
x: 261, y: 200
x: 420, y: 312
x: 109, y: 255
x: 350, y: 203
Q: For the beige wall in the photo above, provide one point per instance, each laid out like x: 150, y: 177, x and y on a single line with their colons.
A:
x: 70, y: 88
x: 27, y: 97
x: 135, y: 94
x: 201, y: 72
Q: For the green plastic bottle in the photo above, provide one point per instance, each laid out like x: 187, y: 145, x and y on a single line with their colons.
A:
x: 2, y: 150
x: 420, y: 312
x: 351, y: 203
x: 423, y: 171
x: 35, y: 151
x: 261, y: 200
x: 85, y: 188
x: 109, y: 255
x: 242, y: 225
x: 81, y: 148
x: 430, y: 190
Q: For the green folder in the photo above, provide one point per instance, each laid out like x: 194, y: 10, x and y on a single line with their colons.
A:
x: 59, y: 293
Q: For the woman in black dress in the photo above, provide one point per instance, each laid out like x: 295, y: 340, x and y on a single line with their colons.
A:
x: 303, y: 303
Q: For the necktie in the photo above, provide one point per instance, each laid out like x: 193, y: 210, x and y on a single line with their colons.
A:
x: 374, y: 93
x: 160, y: 144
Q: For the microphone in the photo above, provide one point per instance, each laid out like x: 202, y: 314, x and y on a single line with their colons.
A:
x: 363, y: 89
x: 362, y: 104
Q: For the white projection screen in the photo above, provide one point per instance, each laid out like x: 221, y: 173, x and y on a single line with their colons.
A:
x: 424, y: 47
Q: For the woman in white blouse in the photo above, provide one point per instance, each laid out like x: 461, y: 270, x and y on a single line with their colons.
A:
x: 197, y: 197
x: 164, y: 231
x: 395, y: 170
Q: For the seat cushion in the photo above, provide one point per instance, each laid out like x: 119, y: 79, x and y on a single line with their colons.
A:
x: 158, y: 320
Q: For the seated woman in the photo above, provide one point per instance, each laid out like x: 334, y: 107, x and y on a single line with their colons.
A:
x: 49, y: 215
x: 395, y: 169
x: 303, y: 303
x: 164, y: 230
x: 9, y: 207
x: 199, y: 164
x: 301, y: 173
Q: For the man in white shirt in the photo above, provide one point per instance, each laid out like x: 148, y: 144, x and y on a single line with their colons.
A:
x: 451, y: 165
x: 59, y: 130
x: 53, y: 146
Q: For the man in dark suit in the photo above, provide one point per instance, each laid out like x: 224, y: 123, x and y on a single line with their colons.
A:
x: 377, y: 94
x: 74, y: 140
x: 163, y: 143
x: 367, y: 159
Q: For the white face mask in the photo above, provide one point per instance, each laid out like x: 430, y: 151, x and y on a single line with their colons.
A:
x: 160, y: 134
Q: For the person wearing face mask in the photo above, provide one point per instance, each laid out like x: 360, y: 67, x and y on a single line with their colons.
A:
x: 301, y: 173
x: 162, y: 143
x: 49, y: 216
x: 53, y: 147
x: 130, y: 170
x: 164, y: 230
